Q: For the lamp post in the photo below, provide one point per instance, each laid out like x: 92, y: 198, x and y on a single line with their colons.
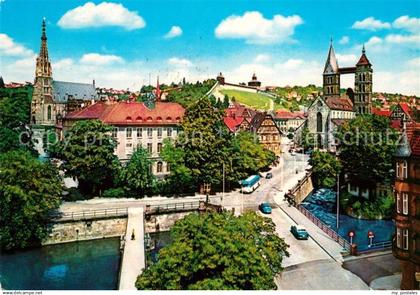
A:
x: 338, y: 201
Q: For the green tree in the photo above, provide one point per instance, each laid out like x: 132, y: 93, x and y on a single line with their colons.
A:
x: 307, y: 140
x: 218, y: 251
x: 14, y: 118
x: 367, y: 145
x: 88, y: 154
x: 29, y: 191
x: 325, y: 168
x: 136, y: 176
x: 180, y: 179
x: 248, y: 156
x: 205, y: 141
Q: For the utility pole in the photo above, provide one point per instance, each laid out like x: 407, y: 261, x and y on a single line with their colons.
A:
x: 223, y: 193
x: 338, y: 200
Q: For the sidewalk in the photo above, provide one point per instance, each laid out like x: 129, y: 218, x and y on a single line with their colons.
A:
x: 133, y: 260
x: 329, y: 245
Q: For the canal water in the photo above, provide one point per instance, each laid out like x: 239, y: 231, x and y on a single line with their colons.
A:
x: 157, y: 242
x: 322, y: 203
x: 84, y: 265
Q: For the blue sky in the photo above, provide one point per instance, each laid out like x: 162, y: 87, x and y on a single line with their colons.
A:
x: 120, y: 44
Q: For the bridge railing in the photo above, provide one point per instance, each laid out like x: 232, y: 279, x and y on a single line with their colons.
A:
x: 377, y: 247
x: 325, y: 228
x: 89, y: 214
x: 171, y: 207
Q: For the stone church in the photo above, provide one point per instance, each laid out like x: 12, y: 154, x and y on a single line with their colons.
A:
x: 333, y: 108
x: 52, y: 99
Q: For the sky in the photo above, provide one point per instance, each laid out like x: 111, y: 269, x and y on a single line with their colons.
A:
x: 127, y: 44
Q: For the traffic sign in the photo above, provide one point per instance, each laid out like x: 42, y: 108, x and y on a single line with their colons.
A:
x: 370, y: 234
x: 351, y: 234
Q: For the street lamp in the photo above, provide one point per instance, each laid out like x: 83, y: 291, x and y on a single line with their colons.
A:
x: 338, y: 200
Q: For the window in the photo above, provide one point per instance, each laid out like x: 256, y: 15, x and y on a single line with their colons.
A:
x: 398, y: 203
x: 159, y: 167
x: 398, y: 237
x: 159, y: 147
x: 405, y: 170
x: 139, y: 132
x: 129, y: 132
x: 114, y: 132
x: 405, y: 203
x: 319, y: 122
x: 150, y: 148
x: 49, y: 112
x: 397, y: 169
x: 149, y: 132
x: 405, y: 239
x: 169, y: 131
x: 159, y: 132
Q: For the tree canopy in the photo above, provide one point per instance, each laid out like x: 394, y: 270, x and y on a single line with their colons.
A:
x: 366, y: 149
x: 29, y: 191
x: 136, y: 176
x: 88, y: 154
x: 325, y: 168
x: 218, y: 251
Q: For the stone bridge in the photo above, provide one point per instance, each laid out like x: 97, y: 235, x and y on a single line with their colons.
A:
x: 301, y: 190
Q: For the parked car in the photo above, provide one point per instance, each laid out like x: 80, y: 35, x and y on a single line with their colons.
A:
x: 299, y: 232
x: 269, y: 175
x: 265, y: 208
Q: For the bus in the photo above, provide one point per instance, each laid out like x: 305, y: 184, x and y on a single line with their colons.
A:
x: 250, y: 184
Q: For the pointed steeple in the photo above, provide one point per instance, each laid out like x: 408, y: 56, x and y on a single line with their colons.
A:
x: 158, y: 92
x: 43, y: 65
x: 363, y: 60
x: 331, y: 65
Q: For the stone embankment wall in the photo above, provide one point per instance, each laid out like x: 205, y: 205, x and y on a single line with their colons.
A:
x: 70, y: 231
x: 301, y: 190
x: 162, y: 222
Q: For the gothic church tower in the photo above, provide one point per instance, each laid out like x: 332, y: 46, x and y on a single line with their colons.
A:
x: 363, y: 85
x: 331, y: 82
x: 42, y: 106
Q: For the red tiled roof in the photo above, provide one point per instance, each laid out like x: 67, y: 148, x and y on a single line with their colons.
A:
x: 381, y: 112
x: 339, y: 122
x: 363, y: 61
x: 406, y: 108
x: 285, y: 114
x: 233, y: 123
x: 413, y: 134
x: 339, y: 103
x: 131, y: 113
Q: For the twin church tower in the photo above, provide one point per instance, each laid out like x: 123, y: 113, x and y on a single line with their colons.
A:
x: 361, y: 96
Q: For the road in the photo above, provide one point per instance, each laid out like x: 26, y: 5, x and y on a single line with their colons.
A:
x: 284, y: 177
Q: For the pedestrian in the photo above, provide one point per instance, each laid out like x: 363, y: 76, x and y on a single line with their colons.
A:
x: 133, y: 236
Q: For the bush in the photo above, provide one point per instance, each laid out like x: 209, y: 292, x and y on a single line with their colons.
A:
x: 114, y: 193
x: 73, y: 194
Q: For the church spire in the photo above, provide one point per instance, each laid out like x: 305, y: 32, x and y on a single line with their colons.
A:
x: 43, y: 65
x: 331, y: 65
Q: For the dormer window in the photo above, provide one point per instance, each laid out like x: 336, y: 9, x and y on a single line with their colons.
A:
x: 128, y: 119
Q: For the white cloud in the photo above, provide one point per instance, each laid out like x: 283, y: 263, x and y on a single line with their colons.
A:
x: 101, y: 15
x: 255, y: 29
x: 346, y: 59
x: 10, y: 48
x: 414, y: 63
x: 180, y: 62
x: 292, y: 64
x: 403, y: 39
x: 175, y: 31
x: 262, y: 58
x: 344, y: 40
x: 373, y: 41
x: 406, y: 82
x: 100, y: 59
x: 371, y: 24
x: 62, y: 63
x: 304, y: 73
x: 411, y: 24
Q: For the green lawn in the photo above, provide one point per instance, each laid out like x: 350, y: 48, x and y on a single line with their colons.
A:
x: 254, y: 100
